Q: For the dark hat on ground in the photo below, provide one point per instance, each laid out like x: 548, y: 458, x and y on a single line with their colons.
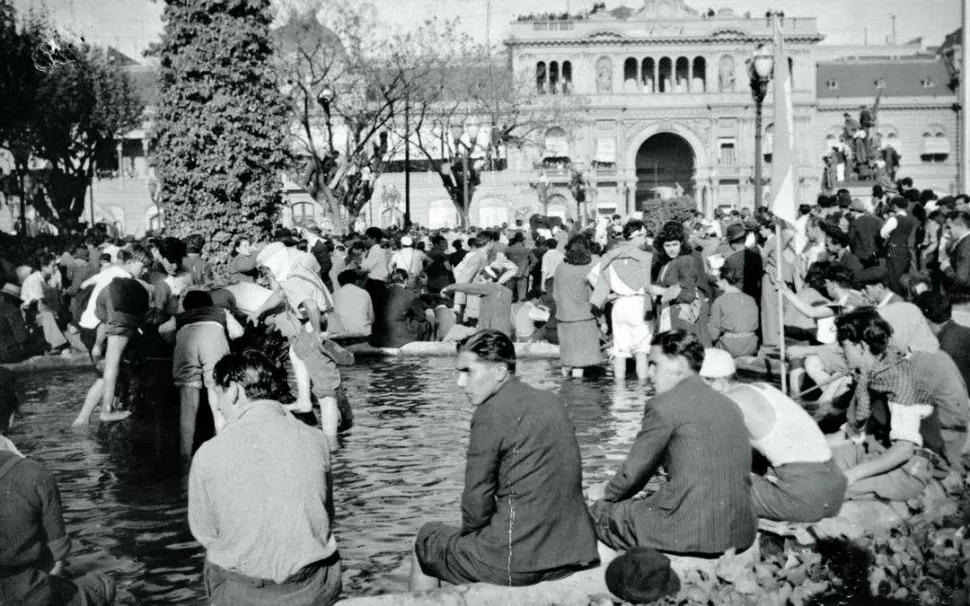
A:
x: 641, y: 575
x: 872, y: 275
x: 11, y: 289
x: 857, y: 206
x: 735, y: 232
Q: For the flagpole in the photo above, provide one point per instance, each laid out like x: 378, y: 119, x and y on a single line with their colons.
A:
x: 779, y: 260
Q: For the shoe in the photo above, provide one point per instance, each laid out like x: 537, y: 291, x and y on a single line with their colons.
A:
x: 115, y: 415
x: 338, y: 354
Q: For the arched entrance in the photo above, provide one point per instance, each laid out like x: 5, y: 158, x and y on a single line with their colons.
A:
x: 665, y: 165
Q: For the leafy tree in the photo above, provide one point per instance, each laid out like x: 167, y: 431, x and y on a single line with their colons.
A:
x: 81, y: 105
x: 469, y: 107
x: 342, y: 94
x: 221, y: 121
x: 61, y: 101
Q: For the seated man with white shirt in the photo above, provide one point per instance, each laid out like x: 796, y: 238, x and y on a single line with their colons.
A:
x: 352, y: 305
x: 805, y: 484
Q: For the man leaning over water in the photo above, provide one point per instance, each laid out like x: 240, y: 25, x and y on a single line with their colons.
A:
x: 261, y: 497
x: 524, y: 519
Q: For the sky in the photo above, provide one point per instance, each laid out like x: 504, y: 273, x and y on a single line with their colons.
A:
x: 131, y: 25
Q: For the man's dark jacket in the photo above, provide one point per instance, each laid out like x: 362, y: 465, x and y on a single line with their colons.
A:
x: 864, y: 240
x: 698, y: 436
x: 523, y: 497
x: 957, y: 276
x: 955, y: 340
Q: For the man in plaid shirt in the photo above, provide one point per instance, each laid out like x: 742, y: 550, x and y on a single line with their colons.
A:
x: 892, y: 446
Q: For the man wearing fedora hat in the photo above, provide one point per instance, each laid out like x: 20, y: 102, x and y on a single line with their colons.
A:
x: 744, y: 260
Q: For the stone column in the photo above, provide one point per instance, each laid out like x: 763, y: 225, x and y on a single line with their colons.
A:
x: 121, y: 160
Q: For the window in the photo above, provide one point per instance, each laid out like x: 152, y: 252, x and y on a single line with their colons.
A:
x: 927, y: 82
x: 832, y: 85
x: 935, y: 148
x: 541, y: 77
x: 303, y: 212
x: 727, y: 152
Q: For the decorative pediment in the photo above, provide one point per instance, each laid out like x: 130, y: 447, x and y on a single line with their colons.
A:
x: 605, y: 35
x: 728, y: 33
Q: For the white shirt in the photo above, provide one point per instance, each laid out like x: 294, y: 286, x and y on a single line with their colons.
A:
x: 891, y: 224
x: 100, y: 280
x: 409, y: 259
x: 33, y: 288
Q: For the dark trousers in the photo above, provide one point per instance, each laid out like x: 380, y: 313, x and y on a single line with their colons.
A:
x: 316, y: 585
x: 520, y: 288
x: 377, y: 289
x: 899, y: 257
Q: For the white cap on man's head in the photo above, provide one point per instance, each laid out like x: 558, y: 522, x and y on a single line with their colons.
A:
x: 718, y: 364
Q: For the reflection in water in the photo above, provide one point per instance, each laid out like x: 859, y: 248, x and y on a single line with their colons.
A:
x: 400, y: 466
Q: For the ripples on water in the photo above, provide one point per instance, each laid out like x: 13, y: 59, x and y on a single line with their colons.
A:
x: 400, y: 466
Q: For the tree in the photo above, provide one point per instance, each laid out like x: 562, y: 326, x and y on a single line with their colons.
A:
x: 82, y: 105
x: 221, y: 122
x: 342, y: 94
x: 61, y: 101
x: 476, y: 108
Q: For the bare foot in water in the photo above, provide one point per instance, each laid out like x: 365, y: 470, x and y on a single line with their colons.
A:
x: 115, y: 415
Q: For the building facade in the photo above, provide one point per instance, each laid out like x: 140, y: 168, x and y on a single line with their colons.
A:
x: 669, y: 112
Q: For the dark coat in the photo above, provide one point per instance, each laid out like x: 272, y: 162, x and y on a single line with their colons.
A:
x: 751, y: 266
x: 955, y: 340
x: 698, y: 436
x: 321, y: 252
x: 957, y: 276
x: 405, y: 318
x: 864, y: 239
x: 523, y: 460
x: 850, y: 262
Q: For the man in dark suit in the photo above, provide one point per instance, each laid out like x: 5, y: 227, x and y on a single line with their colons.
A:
x: 321, y: 250
x: 837, y: 245
x: 864, y: 233
x: 524, y: 519
x: 699, y: 437
x: 956, y: 265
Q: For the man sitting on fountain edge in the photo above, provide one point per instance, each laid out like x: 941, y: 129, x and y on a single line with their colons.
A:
x: 524, y: 519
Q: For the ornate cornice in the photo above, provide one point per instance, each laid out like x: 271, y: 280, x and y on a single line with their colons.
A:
x: 658, y: 41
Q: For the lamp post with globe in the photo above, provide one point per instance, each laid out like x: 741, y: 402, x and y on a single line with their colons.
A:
x: 760, y: 68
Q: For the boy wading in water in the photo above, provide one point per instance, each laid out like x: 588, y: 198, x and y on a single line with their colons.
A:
x: 119, y: 307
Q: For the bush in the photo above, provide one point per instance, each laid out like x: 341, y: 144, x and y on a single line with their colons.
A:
x: 658, y: 212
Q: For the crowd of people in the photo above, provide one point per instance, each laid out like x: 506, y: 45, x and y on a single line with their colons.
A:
x: 872, y: 301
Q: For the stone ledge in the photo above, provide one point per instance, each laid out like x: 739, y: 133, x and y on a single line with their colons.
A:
x: 43, y: 363
x: 575, y: 590
x: 447, y: 349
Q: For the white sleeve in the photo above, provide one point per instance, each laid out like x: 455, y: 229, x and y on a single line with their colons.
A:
x: 904, y: 421
x: 888, y: 227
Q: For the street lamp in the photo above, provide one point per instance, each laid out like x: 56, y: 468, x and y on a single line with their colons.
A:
x: 325, y: 97
x: 760, y: 68
x: 457, y: 130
